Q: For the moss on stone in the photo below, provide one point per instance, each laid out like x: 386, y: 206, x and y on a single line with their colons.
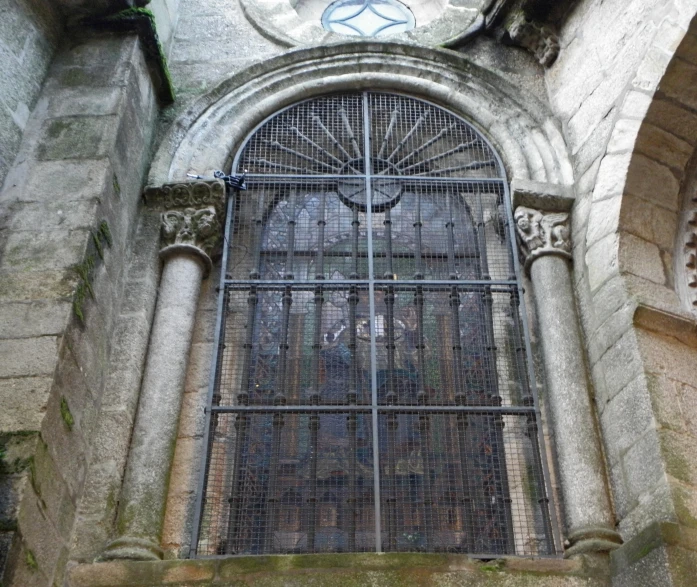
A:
x: 15, y: 454
x: 105, y: 232
x: 66, y: 414
x: 117, y: 186
x: 31, y: 560
x: 142, y: 22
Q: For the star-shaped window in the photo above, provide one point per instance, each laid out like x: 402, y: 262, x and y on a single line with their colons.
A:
x: 368, y: 18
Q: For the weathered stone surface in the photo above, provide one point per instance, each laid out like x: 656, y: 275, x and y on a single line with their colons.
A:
x: 145, y: 485
x: 30, y: 33
x: 28, y: 356
x: 641, y: 258
x: 23, y: 401
x: 586, y: 503
x: 320, y: 570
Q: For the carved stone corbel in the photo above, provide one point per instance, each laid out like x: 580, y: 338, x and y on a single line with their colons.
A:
x: 536, y: 37
x: 526, y: 23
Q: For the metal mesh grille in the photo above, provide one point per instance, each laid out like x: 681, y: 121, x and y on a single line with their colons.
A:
x: 372, y: 385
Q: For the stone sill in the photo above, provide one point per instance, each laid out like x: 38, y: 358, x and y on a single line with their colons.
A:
x: 337, y: 569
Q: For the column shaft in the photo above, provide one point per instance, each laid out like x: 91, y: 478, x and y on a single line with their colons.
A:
x: 545, y: 241
x: 144, y: 492
x: 587, y: 508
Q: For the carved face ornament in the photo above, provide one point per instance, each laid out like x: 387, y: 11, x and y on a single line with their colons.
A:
x: 189, y: 226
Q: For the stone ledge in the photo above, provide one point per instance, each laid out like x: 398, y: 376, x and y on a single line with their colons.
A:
x: 657, y: 535
x: 678, y: 324
x: 548, y: 197
x: 338, y: 569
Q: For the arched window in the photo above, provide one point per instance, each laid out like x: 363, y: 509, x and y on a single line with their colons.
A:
x: 371, y: 343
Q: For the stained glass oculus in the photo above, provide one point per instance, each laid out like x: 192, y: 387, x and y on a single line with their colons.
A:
x: 372, y: 387
x: 368, y: 18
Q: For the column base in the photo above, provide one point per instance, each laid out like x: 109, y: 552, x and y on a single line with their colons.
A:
x: 590, y: 540
x: 136, y: 549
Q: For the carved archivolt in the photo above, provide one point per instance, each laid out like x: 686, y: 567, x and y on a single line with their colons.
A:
x: 690, y: 253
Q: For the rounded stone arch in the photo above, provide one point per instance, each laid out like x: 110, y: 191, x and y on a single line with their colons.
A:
x: 520, y: 127
x: 641, y: 336
x: 638, y: 218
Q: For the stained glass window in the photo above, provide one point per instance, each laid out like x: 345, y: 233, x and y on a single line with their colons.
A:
x: 368, y: 18
x: 372, y: 386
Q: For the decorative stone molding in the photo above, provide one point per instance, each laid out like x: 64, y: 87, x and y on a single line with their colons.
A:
x: 217, y: 123
x: 542, y: 233
x: 279, y: 21
x: 191, y: 217
x: 537, y: 38
x: 690, y: 255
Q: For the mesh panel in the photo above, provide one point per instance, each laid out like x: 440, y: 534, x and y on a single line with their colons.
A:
x: 372, y: 386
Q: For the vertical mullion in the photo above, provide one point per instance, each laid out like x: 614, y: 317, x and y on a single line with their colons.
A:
x: 422, y: 396
x: 391, y: 396
x: 242, y: 420
x: 371, y: 294
x: 213, y: 383
x: 280, y: 398
x: 460, y: 392
x: 494, y: 399
x: 314, y: 419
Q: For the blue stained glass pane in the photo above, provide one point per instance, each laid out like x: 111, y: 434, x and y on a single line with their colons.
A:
x: 368, y: 18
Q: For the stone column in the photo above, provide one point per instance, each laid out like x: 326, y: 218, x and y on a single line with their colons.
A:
x: 191, y: 233
x: 547, y: 250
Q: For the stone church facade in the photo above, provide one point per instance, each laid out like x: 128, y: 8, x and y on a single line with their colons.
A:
x: 285, y: 306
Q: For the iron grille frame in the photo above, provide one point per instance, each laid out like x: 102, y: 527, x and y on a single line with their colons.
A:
x: 376, y: 408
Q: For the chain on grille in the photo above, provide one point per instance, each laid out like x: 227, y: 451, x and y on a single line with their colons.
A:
x: 372, y: 385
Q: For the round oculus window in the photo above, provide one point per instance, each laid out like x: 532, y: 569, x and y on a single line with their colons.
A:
x: 368, y: 18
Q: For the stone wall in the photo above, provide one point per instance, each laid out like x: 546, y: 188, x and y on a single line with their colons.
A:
x: 79, y: 268
x: 30, y: 33
x: 628, y: 129
x: 70, y: 204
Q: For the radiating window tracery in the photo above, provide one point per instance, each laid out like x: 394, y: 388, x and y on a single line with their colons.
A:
x: 372, y: 382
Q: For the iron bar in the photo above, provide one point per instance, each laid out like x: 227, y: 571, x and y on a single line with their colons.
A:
x: 299, y: 155
x: 413, y: 409
x: 406, y: 138
x: 314, y: 145
x: 246, y: 382
x: 280, y: 397
x: 315, y: 397
x: 388, y: 133
x: 495, y: 184
x: 373, y: 344
x: 400, y: 284
x: 318, y: 121
x: 464, y: 167
x: 421, y: 148
x: 351, y: 135
x: 364, y: 255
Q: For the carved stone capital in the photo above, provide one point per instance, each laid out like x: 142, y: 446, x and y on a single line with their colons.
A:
x: 192, y: 218
x: 542, y: 233
x: 536, y: 37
